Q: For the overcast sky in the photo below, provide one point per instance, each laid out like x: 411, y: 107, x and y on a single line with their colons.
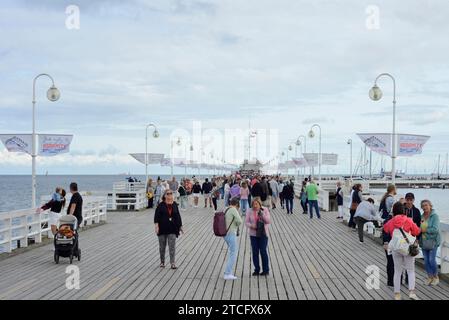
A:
x: 284, y: 64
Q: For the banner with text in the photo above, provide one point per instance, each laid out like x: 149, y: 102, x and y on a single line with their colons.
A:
x: 53, y: 144
x: 311, y: 158
x: 329, y: 159
x: 410, y: 145
x: 377, y: 142
x: 153, y: 158
x: 300, y: 162
x: 17, y: 142
x: 407, y: 144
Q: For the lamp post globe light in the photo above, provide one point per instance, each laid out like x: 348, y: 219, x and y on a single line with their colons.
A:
x: 155, y: 135
x: 53, y: 95
x: 312, y: 135
x: 375, y: 94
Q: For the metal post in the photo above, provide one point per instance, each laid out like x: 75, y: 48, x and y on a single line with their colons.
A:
x: 394, y: 138
x: 33, y: 142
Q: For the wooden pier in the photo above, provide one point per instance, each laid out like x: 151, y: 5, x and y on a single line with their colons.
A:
x: 309, y: 259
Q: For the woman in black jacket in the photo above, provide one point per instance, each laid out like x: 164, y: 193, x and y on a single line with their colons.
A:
x: 55, y: 207
x: 168, y: 226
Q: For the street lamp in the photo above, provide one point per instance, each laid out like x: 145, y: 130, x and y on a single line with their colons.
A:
x: 53, y: 95
x: 155, y: 135
x: 178, y: 143
x: 312, y: 135
x: 376, y: 94
x: 350, y: 159
x: 299, y: 143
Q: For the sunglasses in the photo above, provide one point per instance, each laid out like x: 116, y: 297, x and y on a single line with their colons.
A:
x: 169, y: 193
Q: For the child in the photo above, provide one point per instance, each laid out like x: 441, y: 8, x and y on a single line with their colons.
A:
x: 56, y: 196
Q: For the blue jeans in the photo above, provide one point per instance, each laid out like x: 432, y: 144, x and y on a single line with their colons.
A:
x: 289, y: 205
x: 227, y: 197
x: 430, y: 261
x: 231, y: 241
x: 314, y: 204
x: 244, y: 205
x: 259, y: 246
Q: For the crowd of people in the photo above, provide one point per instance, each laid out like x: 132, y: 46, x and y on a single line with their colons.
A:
x: 402, y: 222
x: 247, y: 200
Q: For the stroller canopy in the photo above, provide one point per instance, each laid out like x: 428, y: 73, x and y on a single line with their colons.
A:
x: 67, y: 219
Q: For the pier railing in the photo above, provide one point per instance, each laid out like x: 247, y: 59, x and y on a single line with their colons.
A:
x: 19, y: 226
x: 128, y: 196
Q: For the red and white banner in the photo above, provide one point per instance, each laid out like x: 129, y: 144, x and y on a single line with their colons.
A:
x: 53, y: 144
x: 407, y: 144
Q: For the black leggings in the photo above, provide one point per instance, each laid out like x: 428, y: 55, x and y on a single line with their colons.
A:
x: 214, y: 202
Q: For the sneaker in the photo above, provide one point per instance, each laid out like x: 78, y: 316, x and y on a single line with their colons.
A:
x: 413, y: 296
x: 397, y: 296
x: 230, y: 277
x: 428, y: 281
x: 435, y: 281
x: 360, y: 241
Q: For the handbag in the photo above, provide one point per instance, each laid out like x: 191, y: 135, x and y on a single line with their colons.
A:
x: 260, y: 231
x: 354, y: 206
x: 428, y: 244
x: 403, y: 244
x: 413, y: 249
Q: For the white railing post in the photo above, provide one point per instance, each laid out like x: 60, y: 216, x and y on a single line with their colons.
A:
x: 444, y: 249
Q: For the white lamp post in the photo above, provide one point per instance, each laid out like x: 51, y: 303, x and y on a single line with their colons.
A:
x: 350, y: 158
x: 311, y: 135
x: 155, y: 135
x: 299, y: 143
x: 53, y: 94
x: 376, y: 94
x: 178, y: 143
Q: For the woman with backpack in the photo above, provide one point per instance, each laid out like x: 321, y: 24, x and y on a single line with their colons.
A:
x: 257, y: 221
x: 387, y: 201
x: 399, y: 222
x: 430, y: 241
x: 233, y: 221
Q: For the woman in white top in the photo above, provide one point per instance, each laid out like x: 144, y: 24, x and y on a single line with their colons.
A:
x: 227, y: 193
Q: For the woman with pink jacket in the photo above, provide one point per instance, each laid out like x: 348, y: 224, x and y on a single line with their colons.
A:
x: 257, y: 220
x: 400, y: 220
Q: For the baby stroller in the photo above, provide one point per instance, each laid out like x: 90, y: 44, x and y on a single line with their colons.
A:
x: 66, y: 240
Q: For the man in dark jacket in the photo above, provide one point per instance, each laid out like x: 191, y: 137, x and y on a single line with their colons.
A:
x: 205, y: 190
x: 265, y: 192
x: 257, y: 191
x: 410, y: 210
